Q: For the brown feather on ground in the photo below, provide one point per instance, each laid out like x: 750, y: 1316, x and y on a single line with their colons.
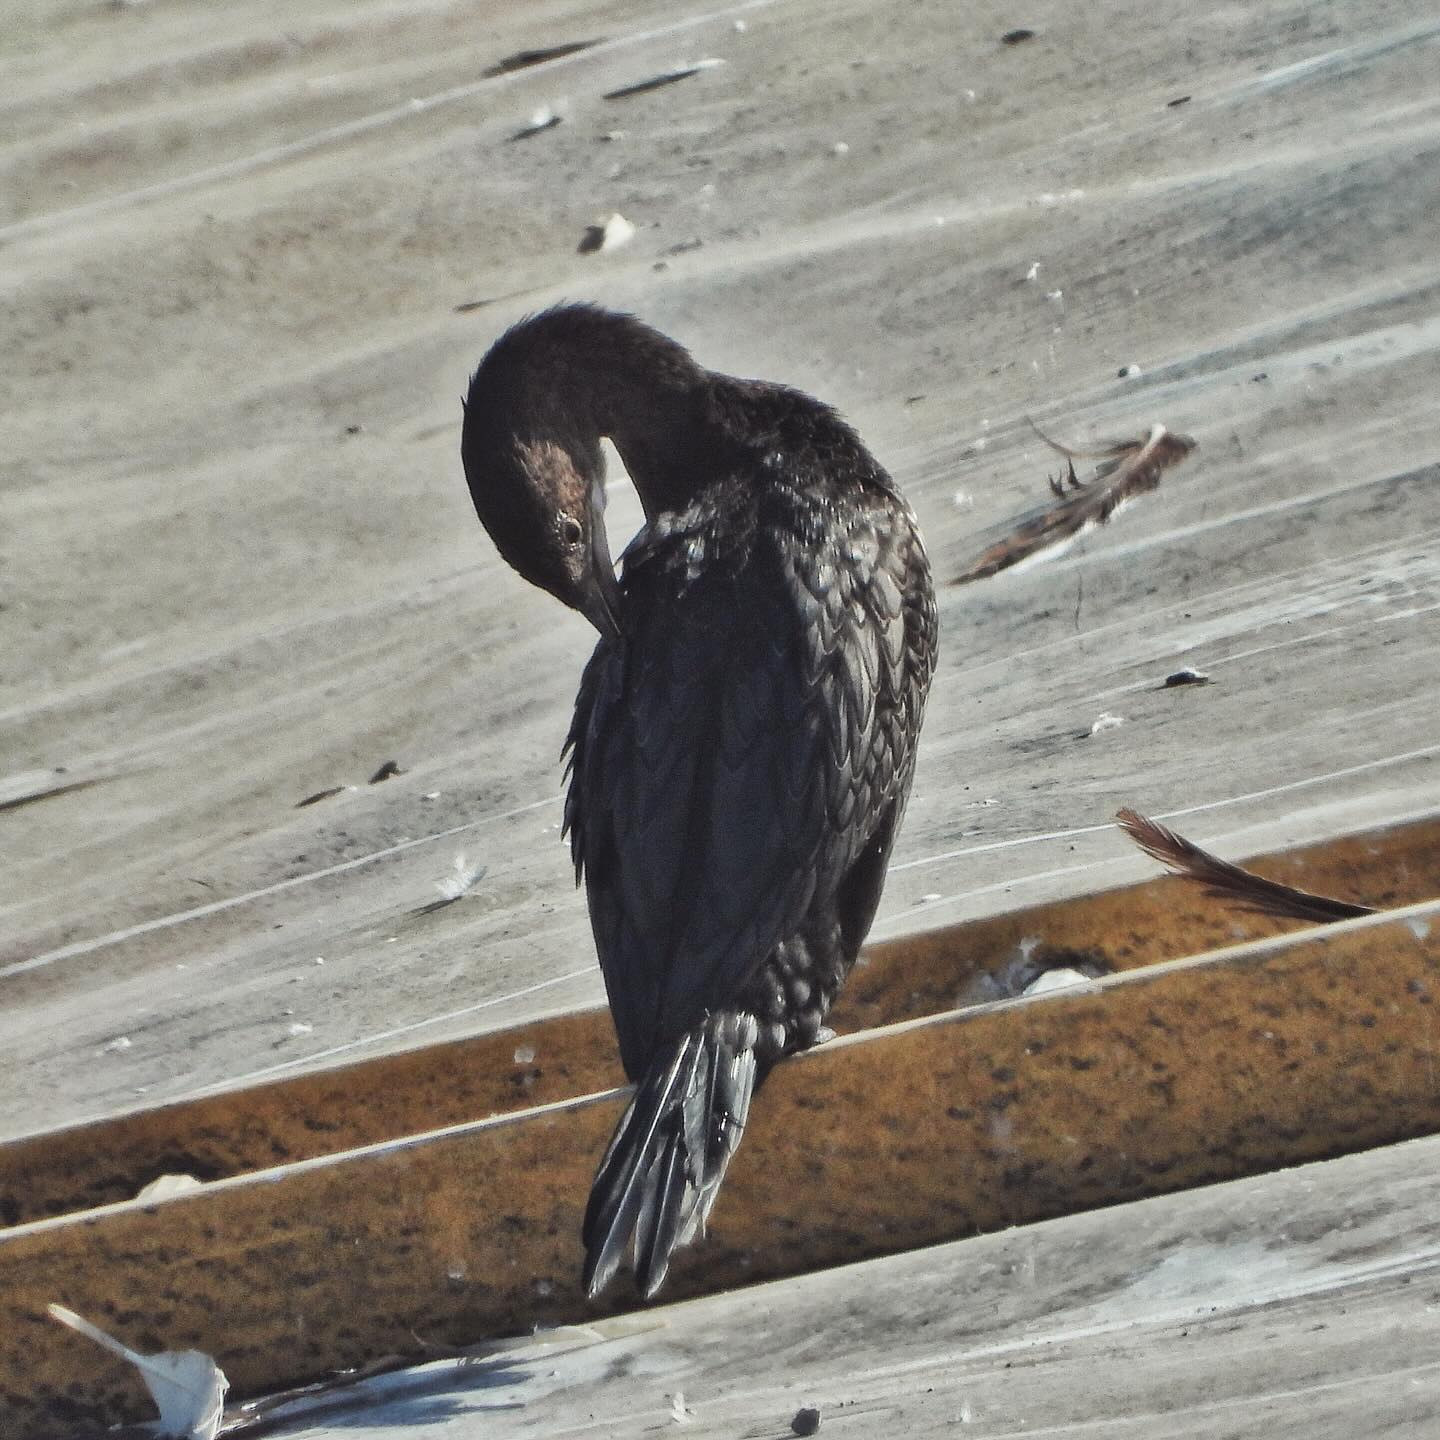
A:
x: 1129, y: 468
x: 1229, y: 882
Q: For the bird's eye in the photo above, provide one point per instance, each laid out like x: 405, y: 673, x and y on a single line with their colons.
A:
x: 570, y: 530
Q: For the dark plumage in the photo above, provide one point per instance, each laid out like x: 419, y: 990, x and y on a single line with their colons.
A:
x: 744, y: 737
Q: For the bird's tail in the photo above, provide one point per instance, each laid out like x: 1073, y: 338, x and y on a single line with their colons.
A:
x: 663, y: 1168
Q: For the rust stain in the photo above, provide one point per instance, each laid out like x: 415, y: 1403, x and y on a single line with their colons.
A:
x: 1264, y: 1055
x: 330, y: 1111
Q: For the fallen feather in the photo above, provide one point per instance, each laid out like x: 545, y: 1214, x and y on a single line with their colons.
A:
x: 1057, y: 979
x: 1107, y: 721
x: 1129, y: 468
x: 614, y: 233
x: 1034, y: 270
x: 1224, y: 881
x: 119, y: 1043
x: 464, y: 876
x: 162, y: 1187
x: 188, y: 1387
x: 680, y: 1413
x: 459, y: 882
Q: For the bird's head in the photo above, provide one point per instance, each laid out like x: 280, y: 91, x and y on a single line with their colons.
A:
x: 541, y: 497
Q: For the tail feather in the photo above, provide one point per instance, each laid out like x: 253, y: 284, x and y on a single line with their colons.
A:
x: 662, y: 1171
x: 1229, y: 882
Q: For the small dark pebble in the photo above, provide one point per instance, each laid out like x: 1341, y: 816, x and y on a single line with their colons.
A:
x: 387, y: 771
x: 592, y: 239
x: 354, y: 429
x: 1186, y: 677
x: 1178, y: 100
x: 1260, y: 375
x: 1016, y: 37
x: 806, y: 1421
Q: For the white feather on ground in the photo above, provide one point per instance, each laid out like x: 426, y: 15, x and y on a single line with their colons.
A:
x: 188, y: 1387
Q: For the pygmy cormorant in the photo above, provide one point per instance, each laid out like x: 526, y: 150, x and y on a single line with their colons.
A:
x: 744, y: 737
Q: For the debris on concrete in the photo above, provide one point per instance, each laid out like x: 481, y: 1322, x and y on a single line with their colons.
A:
x: 666, y: 77
x: 545, y: 118
x: 387, y: 771
x: 320, y: 795
x: 1027, y: 971
x: 1016, y: 37
x: 1061, y: 978
x: 1129, y: 372
x: 1106, y: 722
x: 524, y: 59
x: 1187, y: 676
x: 462, y: 877
x: 1224, y: 881
x: 614, y: 233
x: 162, y: 1187
x: 806, y: 1420
x: 188, y: 1387
x: 1129, y: 468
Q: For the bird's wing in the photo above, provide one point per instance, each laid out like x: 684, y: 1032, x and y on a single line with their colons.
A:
x: 731, y: 757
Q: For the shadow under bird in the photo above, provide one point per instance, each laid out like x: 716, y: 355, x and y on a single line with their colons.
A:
x: 745, y: 732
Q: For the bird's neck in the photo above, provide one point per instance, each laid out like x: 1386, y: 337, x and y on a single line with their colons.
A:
x: 607, y: 375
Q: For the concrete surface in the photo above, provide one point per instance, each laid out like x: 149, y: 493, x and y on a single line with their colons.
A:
x: 1296, y: 1304
x: 230, y: 237
x: 238, y: 567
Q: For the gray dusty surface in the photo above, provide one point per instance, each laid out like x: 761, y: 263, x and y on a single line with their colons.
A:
x: 1278, y: 1306
x: 238, y: 565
